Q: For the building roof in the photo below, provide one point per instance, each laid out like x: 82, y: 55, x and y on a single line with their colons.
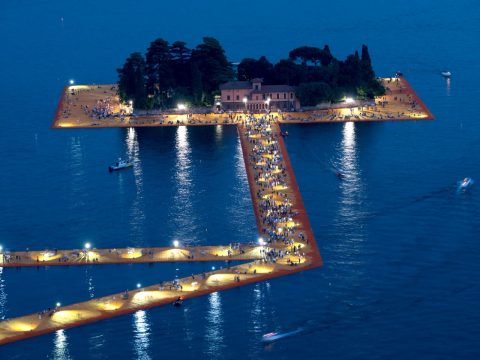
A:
x: 256, y: 80
x: 234, y: 85
x: 274, y: 88
x: 247, y: 85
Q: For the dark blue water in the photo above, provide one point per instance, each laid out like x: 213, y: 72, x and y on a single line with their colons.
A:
x: 400, y: 244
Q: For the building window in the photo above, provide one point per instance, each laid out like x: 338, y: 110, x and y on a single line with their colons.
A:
x: 256, y: 87
x: 228, y: 97
x: 278, y: 96
x: 238, y: 97
x: 284, y: 95
x: 291, y: 95
x: 263, y: 96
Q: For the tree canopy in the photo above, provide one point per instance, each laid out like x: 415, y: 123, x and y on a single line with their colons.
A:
x: 170, y: 73
x: 317, y: 74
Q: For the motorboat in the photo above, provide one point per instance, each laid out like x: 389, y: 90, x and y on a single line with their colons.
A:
x: 274, y: 336
x: 446, y: 74
x: 120, y: 164
x: 465, y: 183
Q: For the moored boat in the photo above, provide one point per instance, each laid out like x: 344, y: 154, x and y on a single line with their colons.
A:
x: 120, y: 164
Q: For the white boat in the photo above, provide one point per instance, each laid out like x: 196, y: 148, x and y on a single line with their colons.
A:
x: 465, y: 183
x: 274, y: 336
x: 446, y: 73
x: 119, y: 165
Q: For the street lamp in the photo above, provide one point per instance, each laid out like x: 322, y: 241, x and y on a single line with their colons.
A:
x: 349, y: 100
x: 268, y: 103
x: 182, y: 107
x: 139, y: 286
x: 71, y: 82
x: 176, y: 243
x: 87, y: 246
x: 261, y: 241
x: 58, y: 304
x: 245, y: 100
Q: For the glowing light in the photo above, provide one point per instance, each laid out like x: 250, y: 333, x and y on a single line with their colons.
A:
x: 176, y: 243
x: 245, y: 100
x: 58, y: 304
x: 261, y: 241
x: 1, y: 248
x: 139, y: 286
x: 213, y: 267
x: 71, y: 81
x: 182, y: 107
x: 349, y: 100
x: 87, y: 246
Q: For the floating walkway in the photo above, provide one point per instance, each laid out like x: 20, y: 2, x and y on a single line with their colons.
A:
x: 286, y: 246
x: 75, y: 110
x: 237, y: 252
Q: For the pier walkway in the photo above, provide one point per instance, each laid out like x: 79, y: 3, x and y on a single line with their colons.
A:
x: 286, y: 246
x: 75, y: 110
x: 237, y: 252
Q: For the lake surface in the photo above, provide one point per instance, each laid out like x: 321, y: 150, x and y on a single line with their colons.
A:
x: 399, y: 242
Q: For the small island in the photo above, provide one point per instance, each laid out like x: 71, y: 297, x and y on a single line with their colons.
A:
x: 174, y: 85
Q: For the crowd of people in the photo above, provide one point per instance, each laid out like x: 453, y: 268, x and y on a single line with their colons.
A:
x: 274, y: 200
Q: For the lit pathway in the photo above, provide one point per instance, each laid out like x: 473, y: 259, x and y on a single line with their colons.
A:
x: 129, y: 255
x: 288, y: 245
x: 75, y: 100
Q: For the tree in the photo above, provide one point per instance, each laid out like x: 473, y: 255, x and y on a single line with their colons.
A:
x: 131, y: 83
x: 250, y: 68
x: 287, y: 72
x: 159, y: 71
x: 311, y: 94
x: 180, y: 56
x: 213, y: 65
x: 306, y: 54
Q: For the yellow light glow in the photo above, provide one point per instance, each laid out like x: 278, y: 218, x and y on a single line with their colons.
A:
x: 69, y: 316
x: 145, y: 297
x: 46, y: 256
x: 131, y: 254
x: 280, y: 187
x: 109, y: 306
x: 20, y: 326
x: 220, y: 279
x: 173, y: 253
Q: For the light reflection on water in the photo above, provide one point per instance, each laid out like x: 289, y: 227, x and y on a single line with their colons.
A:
x: 448, y: 82
x: 218, y: 133
x: 77, y: 172
x: 3, y: 295
x: 183, y: 214
x: 214, y: 333
x: 351, y: 182
x: 60, y: 350
x: 91, y: 286
x: 142, y: 334
x: 350, y: 212
x: 137, y: 214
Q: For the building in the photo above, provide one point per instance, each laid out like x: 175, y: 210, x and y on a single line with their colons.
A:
x: 254, y: 96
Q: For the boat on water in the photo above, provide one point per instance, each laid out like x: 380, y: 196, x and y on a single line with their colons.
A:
x: 446, y: 74
x: 274, y: 336
x: 465, y: 183
x: 120, y: 164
